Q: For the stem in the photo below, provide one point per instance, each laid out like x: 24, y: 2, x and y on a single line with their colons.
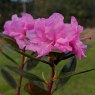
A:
x: 31, y: 57
x: 51, y: 80
x: 20, y: 80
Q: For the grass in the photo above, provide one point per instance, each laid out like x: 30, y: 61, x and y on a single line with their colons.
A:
x: 83, y: 84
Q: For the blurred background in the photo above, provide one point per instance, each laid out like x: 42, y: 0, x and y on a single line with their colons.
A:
x: 84, y: 10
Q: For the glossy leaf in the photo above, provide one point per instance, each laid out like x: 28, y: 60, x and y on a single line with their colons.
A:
x: 69, y: 67
x: 67, y: 55
x: 25, y: 74
x: 33, y: 89
x: 8, y: 57
x: 9, y: 40
x: 30, y: 64
x: 8, y: 77
x: 38, y: 83
x: 71, y: 74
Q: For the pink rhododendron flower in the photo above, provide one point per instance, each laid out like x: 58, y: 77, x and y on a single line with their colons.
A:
x: 53, y: 34
x: 44, y: 35
x: 72, y: 35
x: 48, y: 31
x: 18, y: 27
x: 77, y: 45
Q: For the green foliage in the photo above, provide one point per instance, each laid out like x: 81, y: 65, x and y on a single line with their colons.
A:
x: 31, y: 64
x: 8, y: 57
x: 8, y: 41
x: 68, y: 67
x: 25, y: 74
x: 8, y: 77
x: 57, y: 57
x: 67, y: 55
x: 70, y: 74
x: 39, y: 84
x: 33, y: 89
x: 86, y: 80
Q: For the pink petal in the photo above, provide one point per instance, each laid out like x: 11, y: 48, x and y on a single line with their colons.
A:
x: 63, y: 45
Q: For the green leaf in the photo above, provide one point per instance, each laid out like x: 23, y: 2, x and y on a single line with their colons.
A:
x: 33, y: 89
x: 57, y: 57
x: 31, y: 64
x: 8, y: 57
x: 9, y: 41
x: 25, y: 74
x: 69, y: 67
x: 8, y: 77
x: 67, y: 55
x: 38, y: 83
x: 71, y: 74
x: 31, y: 57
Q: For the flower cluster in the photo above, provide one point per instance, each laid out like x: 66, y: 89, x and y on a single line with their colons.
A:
x: 44, y: 35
